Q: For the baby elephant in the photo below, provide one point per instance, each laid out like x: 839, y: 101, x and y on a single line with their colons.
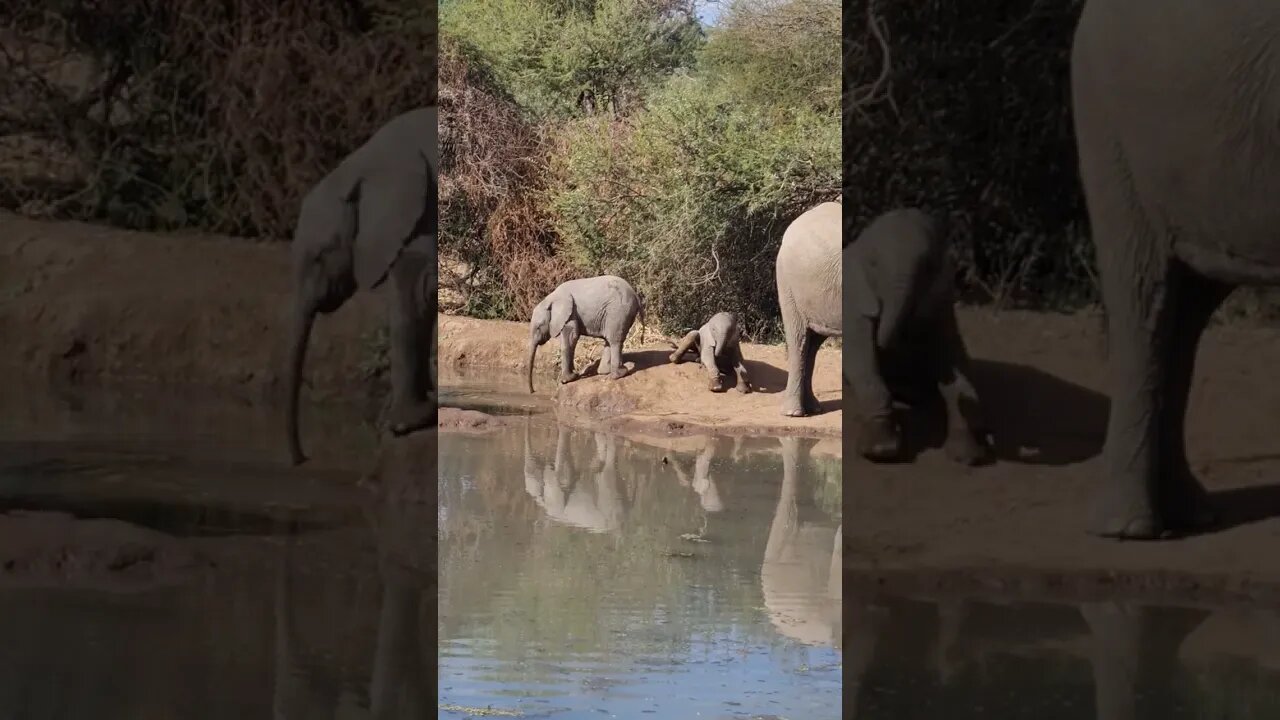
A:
x: 717, y: 344
x: 901, y: 326
x: 602, y: 307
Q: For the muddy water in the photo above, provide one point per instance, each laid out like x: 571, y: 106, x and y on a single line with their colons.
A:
x: 583, y: 575
x: 920, y: 658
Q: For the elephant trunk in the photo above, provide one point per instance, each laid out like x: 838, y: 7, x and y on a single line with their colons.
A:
x: 297, y: 356
x: 533, y: 353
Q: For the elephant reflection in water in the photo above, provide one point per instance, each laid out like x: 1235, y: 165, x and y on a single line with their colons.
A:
x: 559, y: 488
x: 800, y: 577
x: 1130, y: 648
x: 703, y: 484
x: 403, y: 516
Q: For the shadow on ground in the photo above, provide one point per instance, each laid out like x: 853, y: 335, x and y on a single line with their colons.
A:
x: 1035, y: 418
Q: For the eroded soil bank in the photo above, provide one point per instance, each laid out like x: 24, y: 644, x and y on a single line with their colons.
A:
x: 87, y: 303
x: 83, y: 302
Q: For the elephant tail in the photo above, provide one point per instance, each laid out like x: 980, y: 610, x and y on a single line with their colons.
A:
x: 640, y: 313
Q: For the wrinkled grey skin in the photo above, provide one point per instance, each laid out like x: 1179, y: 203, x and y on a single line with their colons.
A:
x: 602, y: 307
x: 902, y: 320
x: 373, y: 217
x: 809, y: 282
x: 1180, y: 165
x: 717, y: 345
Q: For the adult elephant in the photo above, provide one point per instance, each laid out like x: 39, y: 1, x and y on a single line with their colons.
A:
x: 1177, y: 120
x: 809, y: 281
x: 371, y: 218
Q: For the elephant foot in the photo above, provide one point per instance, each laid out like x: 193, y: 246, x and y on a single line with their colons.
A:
x: 416, y: 417
x: 618, y: 373
x: 794, y: 409
x: 879, y: 440
x: 716, y: 384
x: 675, y: 358
x: 1124, y: 514
x: 742, y: 387
x: 569, y: 377
x: 965, y: 448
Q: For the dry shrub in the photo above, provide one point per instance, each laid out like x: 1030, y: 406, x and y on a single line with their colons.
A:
x: 963, y: 108
x: 493, y: 174
x: 211, y: 115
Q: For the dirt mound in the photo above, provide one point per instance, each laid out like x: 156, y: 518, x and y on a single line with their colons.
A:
x: 460, y: 420
x: 50, y: 549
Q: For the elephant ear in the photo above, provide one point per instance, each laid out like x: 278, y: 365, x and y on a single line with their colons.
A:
x: 561, y: 313
x: 391, y: 210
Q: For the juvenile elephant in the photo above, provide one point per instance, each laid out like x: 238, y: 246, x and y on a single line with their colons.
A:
x: 903, y: 322
x: 809, y: 281
x: 717, y: 344
x: 371, y: 218
x: 602, y: 307
x: 1175, y: 109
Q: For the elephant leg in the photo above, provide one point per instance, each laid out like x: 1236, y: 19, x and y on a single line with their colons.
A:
x: 413, y: 406
x: 965, y: 427
x: 1140, y: 294
x: 715, y: 379
x: 564, y: 475
x: 1183, y: 501
x: 878, y: 437
x: 812, y: 345
x: 568, y: 343
x: 616, y: 369
x: 739, y: 369
x: 797, y: 335
x: 605, y: 364
x: 686, y: 344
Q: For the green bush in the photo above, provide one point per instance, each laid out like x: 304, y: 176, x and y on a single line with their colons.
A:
x: 684, y: 174
x: 688, y: 199
x: 547, y: 53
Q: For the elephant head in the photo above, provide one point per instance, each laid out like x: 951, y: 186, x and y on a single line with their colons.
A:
x: 548, y: 319
x: 352, y: 227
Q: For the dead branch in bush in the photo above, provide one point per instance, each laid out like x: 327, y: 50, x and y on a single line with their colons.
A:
x: 881, y: 88
x: 493, y: 172
x: 213, y: 115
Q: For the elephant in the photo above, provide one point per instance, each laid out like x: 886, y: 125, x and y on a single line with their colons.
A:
x: 703, y: 483
x: 903, y: 321
x: 374, y: 217
x: 595, y: 506
x: 718, y: 344
x: 602, y: 307
x: 1177, y: 157
x: 808, y: 273
x: 800, y: 576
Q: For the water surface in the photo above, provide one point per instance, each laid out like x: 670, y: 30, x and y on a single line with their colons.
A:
x: 918, y: 658
x: 584, y: 575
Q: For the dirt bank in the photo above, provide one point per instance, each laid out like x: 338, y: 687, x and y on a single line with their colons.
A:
x: 1018, y: 525
x: 655, y: 397
x: 82, y: 303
